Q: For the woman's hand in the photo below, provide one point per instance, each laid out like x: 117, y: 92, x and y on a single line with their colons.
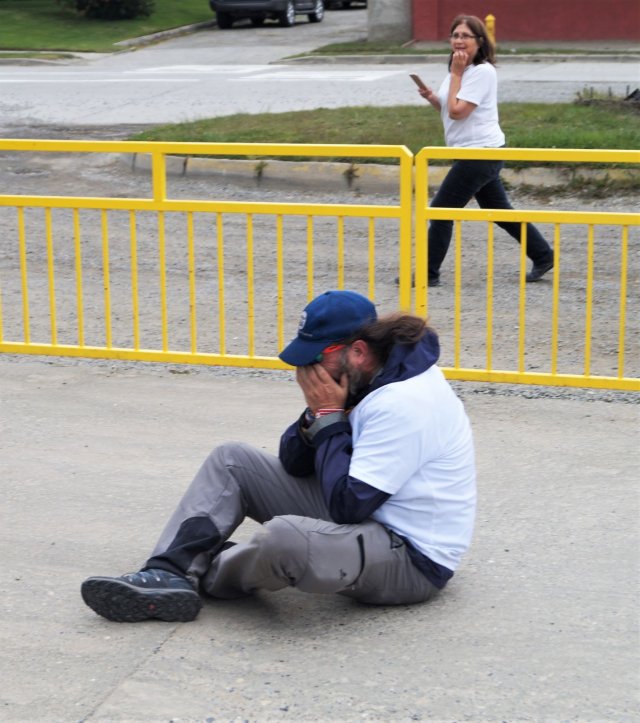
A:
x: 459, y: 61
x: 428, y: 94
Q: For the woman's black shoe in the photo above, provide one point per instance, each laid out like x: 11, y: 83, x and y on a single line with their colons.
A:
x: 539, y: 270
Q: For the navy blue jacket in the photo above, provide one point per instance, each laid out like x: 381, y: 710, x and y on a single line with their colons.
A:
x: 328, y: 455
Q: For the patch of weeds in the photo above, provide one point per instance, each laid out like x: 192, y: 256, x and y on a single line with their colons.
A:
x: 590, y: 97
x: 259, y: 169
x: 588, y: 188
x: 351, y: 174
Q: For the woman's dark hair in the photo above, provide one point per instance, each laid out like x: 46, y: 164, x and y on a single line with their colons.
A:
x: 381, y: 335
x: 486, y: 49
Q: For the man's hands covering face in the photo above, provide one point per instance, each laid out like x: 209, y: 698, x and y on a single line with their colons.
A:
x: 320, y: 389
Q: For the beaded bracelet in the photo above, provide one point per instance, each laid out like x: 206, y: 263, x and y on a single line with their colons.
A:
x: 328, y: 410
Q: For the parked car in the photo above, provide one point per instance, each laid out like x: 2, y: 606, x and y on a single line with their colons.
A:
x: 331, y: 4
x: 284, y: 11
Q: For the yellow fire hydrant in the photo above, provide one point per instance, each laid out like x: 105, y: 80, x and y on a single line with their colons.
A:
x: 490, y: 22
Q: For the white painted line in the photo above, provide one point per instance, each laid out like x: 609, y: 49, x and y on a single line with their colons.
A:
x: 339, y: 76
x: 258, y: 72
x: 204, y: 69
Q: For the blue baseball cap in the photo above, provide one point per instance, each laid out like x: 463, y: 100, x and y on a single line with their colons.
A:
x: 329, y: 318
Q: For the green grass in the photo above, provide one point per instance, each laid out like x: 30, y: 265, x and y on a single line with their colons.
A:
x: 365, y: 47
x: 46, y: 25
x: 570, y: 125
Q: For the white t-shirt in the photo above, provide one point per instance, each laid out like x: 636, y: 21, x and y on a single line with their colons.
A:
x: 412, y: 439
x: 481, y: 128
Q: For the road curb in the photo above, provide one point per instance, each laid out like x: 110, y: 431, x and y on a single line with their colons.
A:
x: 420, y: 58
x: 165, y: 34
x: 373, y: 59
x: 352, y: 177
x: 126, y: 45
x: 328, y: 176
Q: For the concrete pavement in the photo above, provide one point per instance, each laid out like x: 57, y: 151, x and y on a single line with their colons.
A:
x: 539, y: 624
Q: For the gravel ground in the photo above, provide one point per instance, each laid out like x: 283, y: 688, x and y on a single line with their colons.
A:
x: 59, y: 174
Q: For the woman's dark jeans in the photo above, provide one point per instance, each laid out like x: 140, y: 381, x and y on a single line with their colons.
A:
x: 481, y: 179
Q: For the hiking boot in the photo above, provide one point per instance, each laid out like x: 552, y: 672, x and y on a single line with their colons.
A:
x: 142, y: 596
x: 539, y: 270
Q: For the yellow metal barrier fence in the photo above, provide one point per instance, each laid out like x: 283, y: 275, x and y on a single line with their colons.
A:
x: 161, y: 276
x: 521, y: 333
x: 184, y: 280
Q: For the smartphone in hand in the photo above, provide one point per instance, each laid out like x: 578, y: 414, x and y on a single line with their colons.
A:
x: 418, y: 81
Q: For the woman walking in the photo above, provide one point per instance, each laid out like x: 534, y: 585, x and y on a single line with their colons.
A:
x: 468, y: 103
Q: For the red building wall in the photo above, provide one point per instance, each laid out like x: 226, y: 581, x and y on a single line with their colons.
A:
x: 534, y: 19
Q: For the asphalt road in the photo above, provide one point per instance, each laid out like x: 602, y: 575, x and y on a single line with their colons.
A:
x: 199, y: 75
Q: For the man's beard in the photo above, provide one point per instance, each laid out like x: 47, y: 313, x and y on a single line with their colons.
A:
x: 355, y: 377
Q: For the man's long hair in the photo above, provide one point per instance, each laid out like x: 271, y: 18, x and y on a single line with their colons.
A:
x: 387, y: 331
x: 486, y: 49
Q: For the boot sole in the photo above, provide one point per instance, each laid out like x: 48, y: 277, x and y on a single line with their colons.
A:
x: 121, y: 602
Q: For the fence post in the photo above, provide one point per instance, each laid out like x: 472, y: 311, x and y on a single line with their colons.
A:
x: 159, y: 176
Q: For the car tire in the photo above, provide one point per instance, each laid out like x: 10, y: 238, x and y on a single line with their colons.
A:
x: 224, y: 20
x: 287, y: 17
x: 318, y: 12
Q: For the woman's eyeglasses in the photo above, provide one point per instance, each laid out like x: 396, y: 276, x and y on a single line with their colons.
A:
x: 461, y: 36
x: 328, y: 350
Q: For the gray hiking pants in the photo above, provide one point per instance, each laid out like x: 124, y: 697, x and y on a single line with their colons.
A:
x: 298, y: 545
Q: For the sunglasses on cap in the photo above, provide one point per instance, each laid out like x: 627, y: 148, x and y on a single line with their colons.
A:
x: 328, y: 350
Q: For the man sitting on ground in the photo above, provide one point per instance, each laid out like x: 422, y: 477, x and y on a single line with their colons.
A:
x: 372, y: 495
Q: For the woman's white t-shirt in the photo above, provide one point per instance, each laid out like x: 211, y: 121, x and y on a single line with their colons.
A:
x: 480, y: 129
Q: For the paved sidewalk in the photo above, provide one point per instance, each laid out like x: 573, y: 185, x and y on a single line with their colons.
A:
x: 540, y: 623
